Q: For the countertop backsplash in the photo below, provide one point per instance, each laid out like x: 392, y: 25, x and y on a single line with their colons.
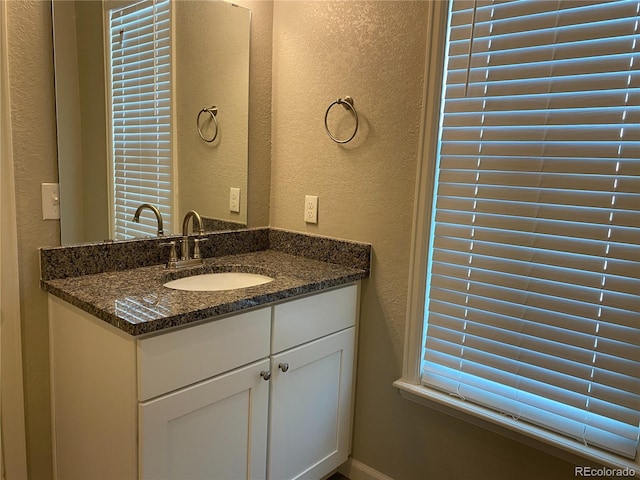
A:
x: 113, y: 256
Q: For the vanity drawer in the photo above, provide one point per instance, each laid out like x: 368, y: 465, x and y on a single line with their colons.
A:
x: 173, y: 360
x: 304, y: 320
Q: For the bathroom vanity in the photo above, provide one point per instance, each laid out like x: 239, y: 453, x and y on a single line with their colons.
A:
x: 257, y: 384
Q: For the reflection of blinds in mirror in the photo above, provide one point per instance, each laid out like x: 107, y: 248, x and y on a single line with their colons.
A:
x: 141, y: 117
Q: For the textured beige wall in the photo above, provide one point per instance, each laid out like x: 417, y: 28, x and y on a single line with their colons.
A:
x: 375, y: 52
x: 34, y: 151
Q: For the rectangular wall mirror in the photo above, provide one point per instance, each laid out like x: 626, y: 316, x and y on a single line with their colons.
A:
x: 208, y: 46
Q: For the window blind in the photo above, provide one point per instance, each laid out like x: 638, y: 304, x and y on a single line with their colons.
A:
x: 141, y: 119
x: 533, y: 289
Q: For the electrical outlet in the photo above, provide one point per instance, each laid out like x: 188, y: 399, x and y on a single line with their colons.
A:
x: 234, y: 199
x: 311, y: 209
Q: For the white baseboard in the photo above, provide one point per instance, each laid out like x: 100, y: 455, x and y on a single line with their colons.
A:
x: 355, y: 470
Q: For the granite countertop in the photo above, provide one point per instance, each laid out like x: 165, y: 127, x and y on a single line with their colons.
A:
x: 136, y: 301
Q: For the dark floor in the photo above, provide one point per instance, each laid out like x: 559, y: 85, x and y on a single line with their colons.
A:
x: 337, y: 476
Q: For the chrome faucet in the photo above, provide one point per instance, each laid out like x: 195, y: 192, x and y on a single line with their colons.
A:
x: 185, y: 259
x: 185, y: 236
x: 136, y: 216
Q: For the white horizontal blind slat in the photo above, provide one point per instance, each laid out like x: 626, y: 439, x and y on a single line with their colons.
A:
x: 534, y: 273
x: 140, y: 36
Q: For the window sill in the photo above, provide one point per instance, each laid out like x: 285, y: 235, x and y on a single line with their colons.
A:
x: 556, y: 445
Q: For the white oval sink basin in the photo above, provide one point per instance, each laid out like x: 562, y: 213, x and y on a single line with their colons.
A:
x: 210, y: 282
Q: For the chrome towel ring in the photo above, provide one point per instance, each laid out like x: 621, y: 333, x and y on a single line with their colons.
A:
x: 213, y: 111
x: 347, y: 103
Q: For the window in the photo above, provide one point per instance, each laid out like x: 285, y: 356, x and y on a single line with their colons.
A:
x: 141, y: 119
x: 532, y: 294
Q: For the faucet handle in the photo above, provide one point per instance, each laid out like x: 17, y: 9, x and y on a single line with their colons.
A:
x: 196, y: 246
x: 173, y: 254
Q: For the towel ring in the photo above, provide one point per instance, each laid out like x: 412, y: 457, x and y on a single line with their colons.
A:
x: 347, y: 103
x: 213, y: 111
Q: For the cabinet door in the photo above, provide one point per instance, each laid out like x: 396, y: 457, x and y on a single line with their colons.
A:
x: 216, y: 429
x: 310, y: 423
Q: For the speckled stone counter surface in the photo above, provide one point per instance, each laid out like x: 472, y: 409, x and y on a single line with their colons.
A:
x: 217, y: 225
x: 136, y: 301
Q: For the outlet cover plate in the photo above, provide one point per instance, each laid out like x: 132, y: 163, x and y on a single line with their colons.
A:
x: 234, y: 199
x: 311, y: 208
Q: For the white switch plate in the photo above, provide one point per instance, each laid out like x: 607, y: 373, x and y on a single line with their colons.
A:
x: 311, y: 209
x: 234, y: 199
x: 50, y: 201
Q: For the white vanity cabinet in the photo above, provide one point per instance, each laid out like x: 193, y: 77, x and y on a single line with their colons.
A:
x: 312, y: 384
x: 311, y: 387
x: 260, y: 394
x: 216, y: 426
x: 215, y: 429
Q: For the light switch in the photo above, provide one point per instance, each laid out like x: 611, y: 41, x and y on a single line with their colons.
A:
x: 50, y: 201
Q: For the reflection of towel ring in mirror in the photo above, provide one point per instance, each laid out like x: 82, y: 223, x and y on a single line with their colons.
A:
x: 347, y: 103
x: 213, y: 111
